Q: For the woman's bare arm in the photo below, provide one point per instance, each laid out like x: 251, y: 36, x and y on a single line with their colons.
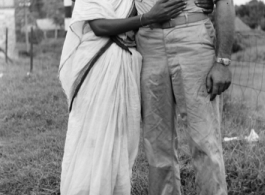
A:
x: 162, y: 11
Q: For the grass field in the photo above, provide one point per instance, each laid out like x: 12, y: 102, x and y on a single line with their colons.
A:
x: 33, y: 122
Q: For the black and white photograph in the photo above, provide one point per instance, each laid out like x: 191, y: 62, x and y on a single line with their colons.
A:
x: 132, y: 97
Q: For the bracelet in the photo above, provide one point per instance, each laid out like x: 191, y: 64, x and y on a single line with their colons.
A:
x: 141, y: 16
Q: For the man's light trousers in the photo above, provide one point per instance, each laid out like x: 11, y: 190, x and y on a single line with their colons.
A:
x: 175, y: 65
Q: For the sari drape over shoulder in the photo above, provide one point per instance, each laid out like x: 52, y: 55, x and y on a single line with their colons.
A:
x: 104, y: 123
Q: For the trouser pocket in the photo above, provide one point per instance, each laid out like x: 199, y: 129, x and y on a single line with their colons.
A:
x: 208, y: 36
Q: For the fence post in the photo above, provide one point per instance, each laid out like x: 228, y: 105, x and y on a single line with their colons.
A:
x: 26, y: 24
x: 31, y: 49
x: 6, y: 53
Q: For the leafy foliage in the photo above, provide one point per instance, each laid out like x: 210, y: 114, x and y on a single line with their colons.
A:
x: 54, y: 9
x: 39, y: 9
x: 252, y: 13
x: 49, y: 9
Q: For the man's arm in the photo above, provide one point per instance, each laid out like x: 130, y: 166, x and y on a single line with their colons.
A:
x: 219, y: 78
x: 225, y: 19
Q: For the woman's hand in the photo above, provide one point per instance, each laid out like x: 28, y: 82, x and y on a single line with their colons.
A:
x: 164, y: 10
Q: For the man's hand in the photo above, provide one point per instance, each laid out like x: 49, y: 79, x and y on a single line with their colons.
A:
x: 218, y: 80
x: 206, y: 5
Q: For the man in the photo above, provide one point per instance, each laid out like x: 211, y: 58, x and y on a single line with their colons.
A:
x: 184, y: 63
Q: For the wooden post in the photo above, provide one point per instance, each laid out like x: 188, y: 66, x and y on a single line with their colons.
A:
x: 31, y: 50
x: 45, y: 34
x: 6, y: 52
x: 73, y: 5
x: 26, y: 24
x: 56, y: 33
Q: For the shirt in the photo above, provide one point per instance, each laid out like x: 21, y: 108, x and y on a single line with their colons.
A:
x: 143, y: 6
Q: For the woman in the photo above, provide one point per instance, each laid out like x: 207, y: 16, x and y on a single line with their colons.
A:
x: 100, y: 76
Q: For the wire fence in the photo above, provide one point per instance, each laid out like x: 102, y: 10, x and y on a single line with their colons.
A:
x: 248, y: 64
x: 244, y: 108
x: 248, y: 69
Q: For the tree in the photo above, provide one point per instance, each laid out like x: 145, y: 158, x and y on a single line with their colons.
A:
x: 21, y: 10
x: 36, y: 8
x: 54, y: 9
x: 262, y: 24
x: 252, y: 13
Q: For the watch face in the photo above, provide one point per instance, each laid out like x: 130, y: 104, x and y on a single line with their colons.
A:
x: 224, y: 61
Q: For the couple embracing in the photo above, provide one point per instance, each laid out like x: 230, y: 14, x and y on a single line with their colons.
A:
x: 124, y: 61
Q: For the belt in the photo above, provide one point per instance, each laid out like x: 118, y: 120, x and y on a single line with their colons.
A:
x: 184, y: 19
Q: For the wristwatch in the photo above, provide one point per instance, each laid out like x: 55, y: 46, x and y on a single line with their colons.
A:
x: 224, y: 61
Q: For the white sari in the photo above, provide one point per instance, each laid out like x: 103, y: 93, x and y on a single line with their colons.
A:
x: 104, y: 123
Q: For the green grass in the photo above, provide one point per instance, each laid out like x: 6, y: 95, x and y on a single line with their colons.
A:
x: 33, y: 122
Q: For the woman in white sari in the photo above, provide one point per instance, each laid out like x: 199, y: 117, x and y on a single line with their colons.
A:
x: 101, y: 80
